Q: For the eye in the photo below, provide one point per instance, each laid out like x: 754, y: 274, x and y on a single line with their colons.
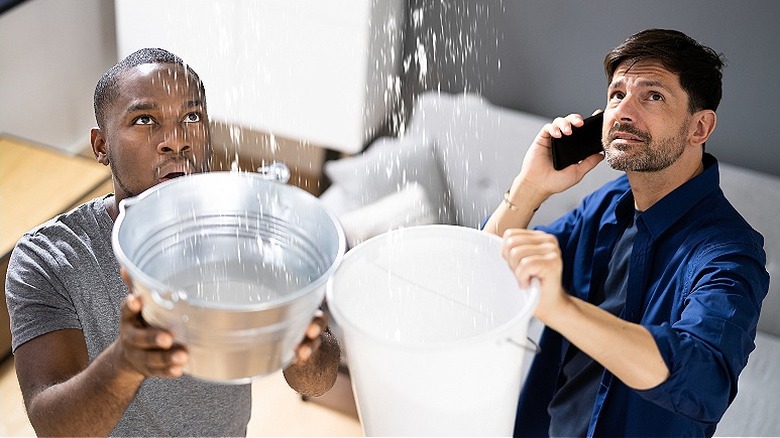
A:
x: 656, y: 97
x: 192, y: 118
x: 143, y: 120
x: 619, y: 95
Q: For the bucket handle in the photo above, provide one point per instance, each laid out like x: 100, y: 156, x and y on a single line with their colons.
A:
x: 126, y: 203
x: 533, y: 347
x: 276, y: 171
x: 533, y: 297
x: 167, y: 302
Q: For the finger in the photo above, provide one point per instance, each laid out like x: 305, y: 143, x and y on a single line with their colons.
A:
x: 160, y: 360
x: 175, y: 360
x: 512, y: 244
x: 574, y: 120
x: 522, y: 232
x: 555, y: 128
x: 312, y: 340
x: 586, y: 165
x: 146, y: 338
x: 526, y: 233
x: 510, y: 239
x: 168, y: 363
x: 516, y: 237
x: 539, y: 266
x: 552, y: 130
x: 564, y: 125
x: 135, y: 334
x: 318, y: 325
x: 306, y: 349
x: 313, y: 331
x: 135, y: 331
x: 130, y: 312
x: 132, y: 306
x: 126, y: 278
x: 521, y: 277
x: 521, y: 254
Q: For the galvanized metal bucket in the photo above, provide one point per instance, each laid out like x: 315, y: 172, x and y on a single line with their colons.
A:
x: 233, y: 264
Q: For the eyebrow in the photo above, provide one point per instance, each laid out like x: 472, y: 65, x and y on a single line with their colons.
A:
x: 142, y: 106
x: 646, y: 83
x: 147, y: 106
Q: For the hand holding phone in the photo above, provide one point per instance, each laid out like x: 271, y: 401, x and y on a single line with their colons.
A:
x: 580, y: 144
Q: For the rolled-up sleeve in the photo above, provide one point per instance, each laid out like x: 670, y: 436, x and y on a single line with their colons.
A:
x: 708, y: 346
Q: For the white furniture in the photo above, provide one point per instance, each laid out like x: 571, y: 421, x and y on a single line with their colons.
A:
x: 320, y: 71
x: 51, y: 55
x: 465, y: 152
x: 462, y: 150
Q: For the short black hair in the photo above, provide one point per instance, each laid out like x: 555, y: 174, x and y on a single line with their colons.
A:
x: 699, y: 67
x: 106, y: 88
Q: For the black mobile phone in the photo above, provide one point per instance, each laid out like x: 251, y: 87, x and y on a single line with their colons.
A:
x: 582, y: 143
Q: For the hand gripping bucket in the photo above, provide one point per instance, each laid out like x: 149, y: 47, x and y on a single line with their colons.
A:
x: 434, y: 327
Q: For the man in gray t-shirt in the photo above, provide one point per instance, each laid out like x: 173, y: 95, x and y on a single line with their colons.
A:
x: 63, y: 275
x: 86, y: 361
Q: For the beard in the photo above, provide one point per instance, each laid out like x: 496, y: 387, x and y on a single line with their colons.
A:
x: 652, y: 155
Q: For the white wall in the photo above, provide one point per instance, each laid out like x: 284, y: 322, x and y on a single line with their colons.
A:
x: 52, y: 53
x: 302, y: 69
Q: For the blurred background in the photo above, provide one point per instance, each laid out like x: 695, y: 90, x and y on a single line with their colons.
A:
x: 296, y: 79
x: 307, y: 81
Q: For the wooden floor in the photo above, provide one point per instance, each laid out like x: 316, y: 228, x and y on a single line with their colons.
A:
x: 276, y: 409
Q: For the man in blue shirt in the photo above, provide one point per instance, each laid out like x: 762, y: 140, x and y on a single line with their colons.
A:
x: 651, y: 289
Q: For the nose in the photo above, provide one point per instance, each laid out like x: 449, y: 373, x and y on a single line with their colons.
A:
x: 174, y: 142
x: 626, y: 110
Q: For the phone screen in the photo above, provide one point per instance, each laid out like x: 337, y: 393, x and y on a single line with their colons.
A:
x: 582, y: 143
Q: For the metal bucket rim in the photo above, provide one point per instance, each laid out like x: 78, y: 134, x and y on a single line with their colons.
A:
x: 155, y: 286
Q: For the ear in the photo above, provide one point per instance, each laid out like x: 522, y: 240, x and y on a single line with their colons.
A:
x: 704, y: 122
x: 99, y: 145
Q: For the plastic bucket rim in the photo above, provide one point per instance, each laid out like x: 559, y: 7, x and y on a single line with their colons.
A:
x: 525, y: 312
x: 154, y: 285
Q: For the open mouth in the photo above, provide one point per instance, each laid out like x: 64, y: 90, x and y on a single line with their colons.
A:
x: 627, y: 134
x: 172, y: 175
x: 625, y: 137
x: 173, y: 168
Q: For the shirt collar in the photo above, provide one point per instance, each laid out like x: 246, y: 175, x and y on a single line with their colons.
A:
x: 664, y: 213
x: 624, y: 209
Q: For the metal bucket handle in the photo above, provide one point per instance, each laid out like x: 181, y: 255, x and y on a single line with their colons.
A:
x: 276, y: 171
x: 530, y: 344
x: 166, y: 300
x: 126, y: 203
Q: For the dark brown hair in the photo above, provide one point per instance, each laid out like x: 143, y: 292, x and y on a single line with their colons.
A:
x: 698, y: 66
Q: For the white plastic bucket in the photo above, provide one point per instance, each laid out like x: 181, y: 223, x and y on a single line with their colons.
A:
x: 434, y: 328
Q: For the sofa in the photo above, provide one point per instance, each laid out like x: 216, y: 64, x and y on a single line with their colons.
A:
x: 452, y: 164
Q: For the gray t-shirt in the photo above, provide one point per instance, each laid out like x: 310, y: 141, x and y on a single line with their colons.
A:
x: 63, y: 274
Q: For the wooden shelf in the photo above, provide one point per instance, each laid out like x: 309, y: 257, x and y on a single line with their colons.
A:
x: 37, y: 184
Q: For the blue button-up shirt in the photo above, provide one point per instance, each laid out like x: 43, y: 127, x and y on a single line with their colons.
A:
x: 697, y: 278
